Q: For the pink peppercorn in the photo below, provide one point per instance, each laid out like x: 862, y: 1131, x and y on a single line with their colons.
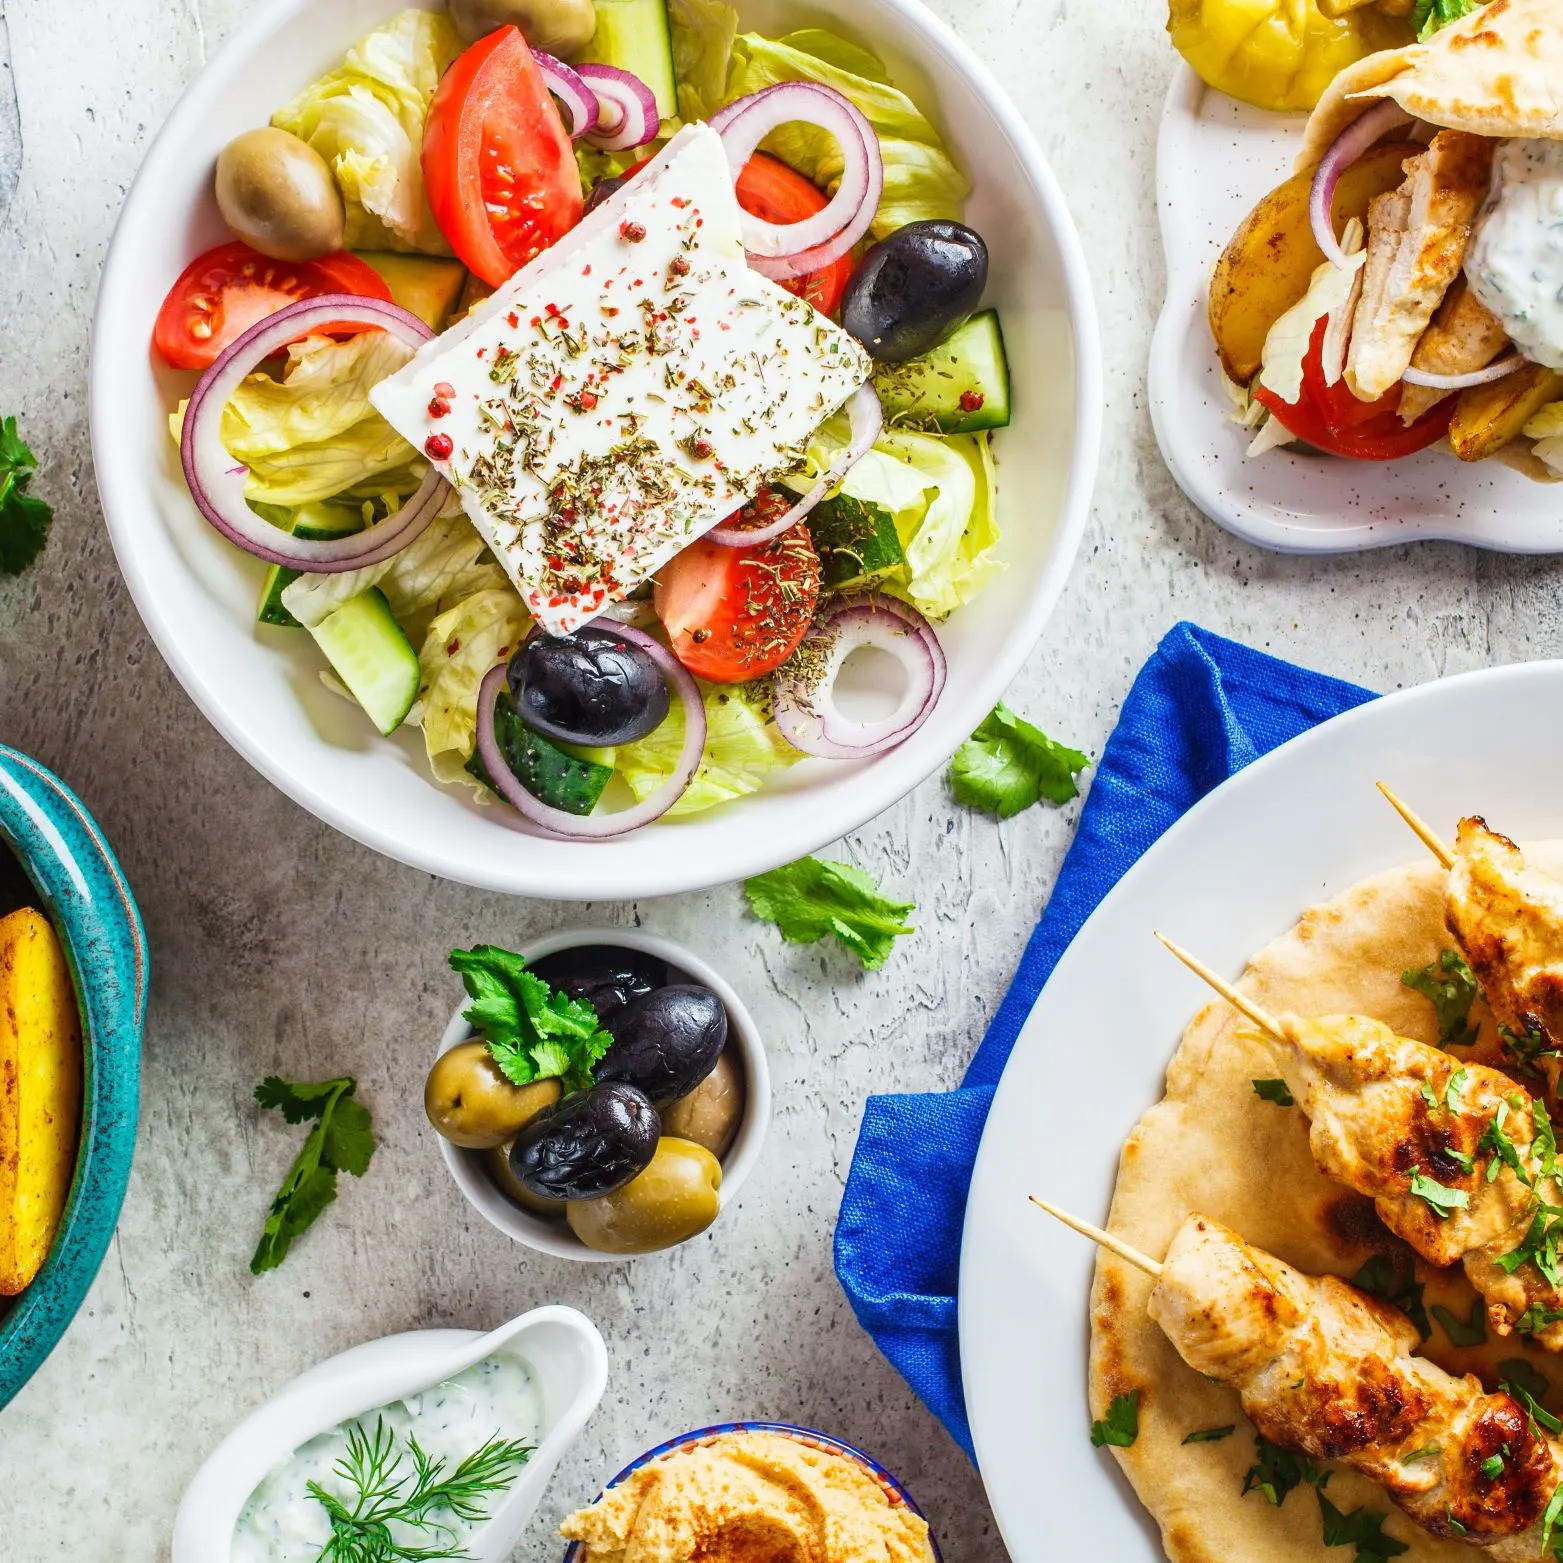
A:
x: 438, y: 447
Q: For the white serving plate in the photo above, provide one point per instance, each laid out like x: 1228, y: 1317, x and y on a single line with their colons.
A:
x: 260, y: 687
x: 1298, y: 826
x: 1215, y: 159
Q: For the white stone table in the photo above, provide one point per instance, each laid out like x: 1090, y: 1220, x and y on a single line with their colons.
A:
x: 279, y: 946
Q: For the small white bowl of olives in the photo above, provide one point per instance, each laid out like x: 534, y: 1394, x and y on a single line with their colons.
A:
x: 684, y: 1095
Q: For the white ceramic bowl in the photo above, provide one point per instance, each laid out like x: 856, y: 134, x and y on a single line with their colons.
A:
x: 549, y: 1237
x: 259, y: 686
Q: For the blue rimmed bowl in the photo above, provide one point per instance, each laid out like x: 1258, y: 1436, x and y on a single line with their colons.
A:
x: 893, y: 1490
x: 77, y: 882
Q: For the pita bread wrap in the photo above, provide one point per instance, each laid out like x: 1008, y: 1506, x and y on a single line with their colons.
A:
x: 1496, y: 72
x: 1212, y: 1145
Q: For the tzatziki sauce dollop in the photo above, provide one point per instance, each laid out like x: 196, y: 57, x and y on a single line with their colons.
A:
x: 1515, y: 261
x: 283, y: 1522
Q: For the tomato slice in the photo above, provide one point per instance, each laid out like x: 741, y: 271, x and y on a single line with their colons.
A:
x: 733, y: 614
x: 498, y: 166
x: 224, y: 292
x: 1330, y: 418
x: 771, y: 191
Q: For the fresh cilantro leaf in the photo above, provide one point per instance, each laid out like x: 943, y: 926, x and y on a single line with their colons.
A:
x: 1007, y: 765
x: 1450, y: 986
x: 1464, y: 1160
x: 1541, y: 1246
x: 1211, y: 1435
x: 1274, y: 1091
x: 1428, y: 16
x: 1505, y: 1153
x: 1362, y: 1529
x: 1121, y: 1425
x: 24, y: 518
x: 1442, y: 1199
x: 1394, y: 1280
x: 342, y: 1140
x: 1277, y: 1471
x: 814, y: 897
x: 1469, y: 1331
x: 1529, y: 1047
x: 532, y: 1031
x: 1550, y: 1517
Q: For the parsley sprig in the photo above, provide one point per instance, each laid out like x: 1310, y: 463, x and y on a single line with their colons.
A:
x: 1442, y: 1199
x: 1428, y: 16
x: 1450, y: 986
x: 24, y: 518
x: 1394, y: 1279
x: 1276, y: 1091
x: 1008, y: 764
x: 814, y: 897
x: 1276, y: 1471
x: 1121, y: 1426
x: 1362, y: 1529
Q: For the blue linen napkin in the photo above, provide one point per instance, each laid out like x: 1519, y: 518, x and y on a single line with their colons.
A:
x: 1201, y: 709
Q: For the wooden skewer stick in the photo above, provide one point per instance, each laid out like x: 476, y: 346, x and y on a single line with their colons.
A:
x: 1260, y: 1017
x: 1113, y: 1245
x: 1424, y: 831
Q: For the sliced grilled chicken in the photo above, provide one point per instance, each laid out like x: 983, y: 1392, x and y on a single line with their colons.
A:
x: 1416, y: 240
x: 1464, y: 335
x: 1326, y: 1370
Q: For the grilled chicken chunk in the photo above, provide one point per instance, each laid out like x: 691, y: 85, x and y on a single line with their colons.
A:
x: 1416, y: 241
x: 1464, y: 335
x: 1327, y: 1370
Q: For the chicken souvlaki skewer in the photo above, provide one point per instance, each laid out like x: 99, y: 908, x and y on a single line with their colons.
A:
x: 1326, y: 1370
x: 1459, y: 1161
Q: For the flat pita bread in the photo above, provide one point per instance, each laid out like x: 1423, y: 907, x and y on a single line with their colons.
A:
x: 1212, y: 1145
x: 1496, y: 72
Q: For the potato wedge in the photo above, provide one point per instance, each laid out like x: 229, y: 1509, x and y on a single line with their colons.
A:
x: 40, y: 1093
x: 1271, y: 259
x: 1488, y: 417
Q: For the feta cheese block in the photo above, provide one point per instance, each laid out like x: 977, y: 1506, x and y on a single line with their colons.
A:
x: 626, y: 391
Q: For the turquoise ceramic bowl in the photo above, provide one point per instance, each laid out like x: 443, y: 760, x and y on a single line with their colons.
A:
x: 82, y: 888
x: 893, y: 1489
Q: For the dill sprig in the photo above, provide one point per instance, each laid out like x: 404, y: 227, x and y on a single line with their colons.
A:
x: 383, y: 1495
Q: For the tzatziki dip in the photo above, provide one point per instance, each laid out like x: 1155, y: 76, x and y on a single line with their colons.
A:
x: 1515, y: 262
x: 493, y: 1403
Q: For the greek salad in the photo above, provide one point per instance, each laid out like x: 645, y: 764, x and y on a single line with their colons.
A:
x: 595, y: 380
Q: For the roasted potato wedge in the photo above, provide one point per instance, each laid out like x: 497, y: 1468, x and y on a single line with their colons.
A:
x: 40, y: 1093
x: 1271, y: 259
x: 1488, y: 417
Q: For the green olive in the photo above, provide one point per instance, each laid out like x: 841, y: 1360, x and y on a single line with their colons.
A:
x: 711, y: 1113
x: 473, y: 1105
x: 561, y: 27
x: 673, y: 1200
x: 497, y: 1163
x: 276, y: 192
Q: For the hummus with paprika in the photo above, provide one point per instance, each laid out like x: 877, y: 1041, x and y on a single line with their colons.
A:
x: 749, y: 1498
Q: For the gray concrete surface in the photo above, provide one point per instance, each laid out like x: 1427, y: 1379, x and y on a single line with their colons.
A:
x: 281, y: 946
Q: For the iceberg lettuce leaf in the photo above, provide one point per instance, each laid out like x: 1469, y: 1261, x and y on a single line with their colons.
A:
x: 703, y: 34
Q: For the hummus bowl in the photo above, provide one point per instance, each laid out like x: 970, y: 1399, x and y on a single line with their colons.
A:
x: 894, y: 1492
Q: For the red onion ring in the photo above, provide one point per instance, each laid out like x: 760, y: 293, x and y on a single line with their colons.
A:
x: 804, y: 706
x: 1347, y: 147
x: 572, y: 92
x: 598, y: 827
x: 1458, y: 382
x: 784, y: 250
x: 866, y: 416
x: 217, y: 483
x: 626, y: 108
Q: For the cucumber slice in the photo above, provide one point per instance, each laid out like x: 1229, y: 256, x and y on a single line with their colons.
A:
x: 372, y: 656
x: 572, y: 782
x: 962, y: 386
x: 636, y: 36
x: 427, y: 286
x: 857, y: 542
x: 316, y: 523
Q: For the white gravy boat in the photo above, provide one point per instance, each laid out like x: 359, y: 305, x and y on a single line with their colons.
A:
x: 569, y: 1364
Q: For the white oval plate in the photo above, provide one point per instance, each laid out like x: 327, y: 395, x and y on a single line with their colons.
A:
x: 260, y: 686
x: 1215, y: 159
x: 1302, y: 824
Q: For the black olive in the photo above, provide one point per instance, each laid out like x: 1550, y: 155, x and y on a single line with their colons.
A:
x: 667, y: 1042
x: 603, y: 190
x: 591, y: 686
x: 914, y: 288
x: 588, y: 1145
x: 607, y: 978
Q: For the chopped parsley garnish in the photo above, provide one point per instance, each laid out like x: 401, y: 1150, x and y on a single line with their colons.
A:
x: 1462, y: 1159
x: 1550, y: 1517
x: 1540, y: 1246
x: 1450, y: 986
x: 1505, y: 1153
x: 814, y: 897
x: 1528, y: 1047
x: 1211, y: 1435
x: 24, y: 518
x: 1277, y: 1471
x: 1007, y: 765
x: 1428, y: 16
x: 1362, y: 1529
x: 1442, y: 1199
x: 1535, y: 1319
x: 1469, y: 1331
x: 1394, y: 1279
x: 341, y: 1141
x: 1525, y: 1383
x: 1492, y: 1467
x: 1121, y: 1426
x: 532, y: 1031
x: 1274, y: 1091
x: 1426, y: 1452
x: 1544, y: 1143
x: 1451, y: 1097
